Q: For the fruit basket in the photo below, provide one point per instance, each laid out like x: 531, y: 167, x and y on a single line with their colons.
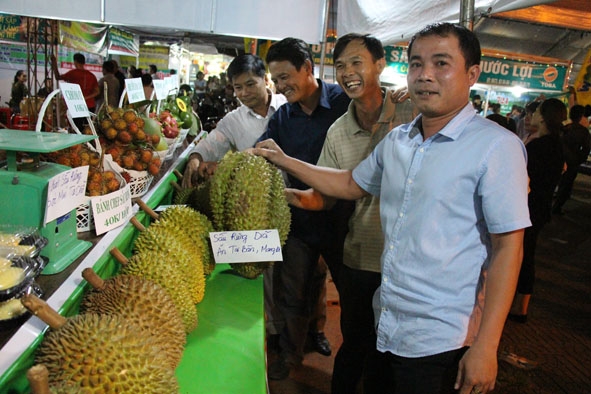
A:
x: 139, y: 181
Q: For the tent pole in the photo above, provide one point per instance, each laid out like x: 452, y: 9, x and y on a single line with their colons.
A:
x: 467, y: 14
x: 323, y: 38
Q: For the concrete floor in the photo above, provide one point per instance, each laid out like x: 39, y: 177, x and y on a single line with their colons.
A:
x: 552, y: 350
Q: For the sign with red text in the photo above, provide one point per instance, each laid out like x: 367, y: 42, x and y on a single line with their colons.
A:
x: 111, y: 210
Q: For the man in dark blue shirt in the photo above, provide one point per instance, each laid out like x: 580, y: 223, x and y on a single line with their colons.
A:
x: 299, y: 128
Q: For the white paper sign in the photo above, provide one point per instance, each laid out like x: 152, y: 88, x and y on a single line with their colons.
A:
x: 135, y: 90
x: 160, y: 89
x: 171, y: 85
x: 111, y: 210
x: 74, y: 99
x: 65, y: 192
x: 174, y: 81
x: 246, y: 246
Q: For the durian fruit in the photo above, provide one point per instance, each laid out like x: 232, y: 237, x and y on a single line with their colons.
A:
x: 181, y: 194
x: 190, y: 227
x: 154, y: 266
x: 196, y: 197
x: 100, y: 353
x: 196, y: 226
x: 180, y: 254
x: 144, y: 303
x: 247, y: 194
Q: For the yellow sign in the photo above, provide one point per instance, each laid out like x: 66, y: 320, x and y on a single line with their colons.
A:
x: 583, y: 82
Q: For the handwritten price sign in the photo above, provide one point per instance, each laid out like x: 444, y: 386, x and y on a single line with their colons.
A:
x: 65, y: 192
x: 246, y: 246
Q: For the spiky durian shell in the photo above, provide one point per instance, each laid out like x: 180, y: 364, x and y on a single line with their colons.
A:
x: 247, y: 194
x: 105, y: 354
x: 145, y: 304
x: 278, y: 207
x: 181, y: 197
x: 193, y: 225
x: 154, y: 266
x: 181, y: 254
x: 199, y: 199
x: 251, y: 270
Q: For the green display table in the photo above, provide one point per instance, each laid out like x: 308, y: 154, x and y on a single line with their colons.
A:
x: 225, y: 354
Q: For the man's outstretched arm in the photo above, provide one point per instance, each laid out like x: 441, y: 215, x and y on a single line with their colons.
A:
x: 328, y: 181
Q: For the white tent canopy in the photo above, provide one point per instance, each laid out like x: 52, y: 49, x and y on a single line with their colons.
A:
x: 269, y: 19
x: 394, y: 21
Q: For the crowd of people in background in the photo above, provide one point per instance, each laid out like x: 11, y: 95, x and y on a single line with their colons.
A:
x: 556, y: 146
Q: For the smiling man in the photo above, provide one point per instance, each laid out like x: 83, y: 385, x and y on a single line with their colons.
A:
x: 453, y: 206
x: 358, y: 62
x: 300, y: 127
x: 241, y: 128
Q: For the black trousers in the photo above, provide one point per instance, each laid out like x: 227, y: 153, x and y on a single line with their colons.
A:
x: 434, y: 374
x: 356, y: 290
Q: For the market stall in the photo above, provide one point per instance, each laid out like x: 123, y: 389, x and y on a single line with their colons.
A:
x: 225, y: 354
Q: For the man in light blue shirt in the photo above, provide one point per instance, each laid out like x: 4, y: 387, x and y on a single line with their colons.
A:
x: 453, y: 206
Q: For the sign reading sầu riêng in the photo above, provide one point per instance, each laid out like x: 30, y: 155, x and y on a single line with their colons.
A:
x: 246, y: 246
x: 65, y: 191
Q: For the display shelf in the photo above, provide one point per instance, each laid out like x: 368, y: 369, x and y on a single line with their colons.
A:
x: 224, y: 354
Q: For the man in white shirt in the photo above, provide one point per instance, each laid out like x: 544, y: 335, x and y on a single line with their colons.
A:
x: 241, y: 128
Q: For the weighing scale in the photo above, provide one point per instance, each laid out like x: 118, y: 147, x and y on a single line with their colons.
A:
x: 23, y: 187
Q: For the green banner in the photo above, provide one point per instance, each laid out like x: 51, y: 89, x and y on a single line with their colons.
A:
x: 86, y: 37
x: 507, y: 72
x: 12, y: 28
x: 123, y: 43
x: 397, y: 59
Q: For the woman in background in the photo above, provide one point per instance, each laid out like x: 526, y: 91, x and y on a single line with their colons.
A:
x: 19, y: 91
x: 545, y: 161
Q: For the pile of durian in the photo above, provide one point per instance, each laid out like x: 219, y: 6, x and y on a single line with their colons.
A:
x: 131, y: 330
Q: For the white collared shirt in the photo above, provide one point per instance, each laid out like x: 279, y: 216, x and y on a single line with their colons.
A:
x: 238, y: 130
